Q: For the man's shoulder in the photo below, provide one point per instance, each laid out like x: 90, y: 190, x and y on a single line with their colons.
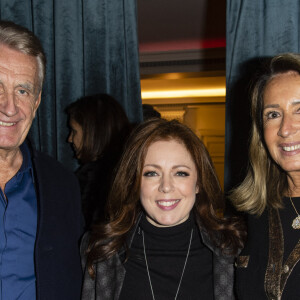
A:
x: 55, y: 182
x: 44, y: 163
x: 45, y: 158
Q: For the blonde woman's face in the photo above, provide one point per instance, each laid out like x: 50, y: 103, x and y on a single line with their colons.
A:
x: 75, y: 136
x: 281, y: 117
x: 169, y: 183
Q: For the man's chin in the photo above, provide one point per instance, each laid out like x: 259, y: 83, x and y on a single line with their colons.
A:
x: 9, y: 144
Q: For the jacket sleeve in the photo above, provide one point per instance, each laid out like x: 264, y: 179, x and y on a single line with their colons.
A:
x: 223, y: 269
x: 59, y: 229
x: 88, y: 287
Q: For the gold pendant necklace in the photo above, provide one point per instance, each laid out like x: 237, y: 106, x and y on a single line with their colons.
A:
x: 296, y: 221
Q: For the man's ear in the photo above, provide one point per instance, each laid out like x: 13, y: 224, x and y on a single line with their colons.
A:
x: 37, y: 103
x: 197, y: 189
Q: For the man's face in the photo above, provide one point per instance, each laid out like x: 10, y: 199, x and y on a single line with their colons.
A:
x: 19, y: 96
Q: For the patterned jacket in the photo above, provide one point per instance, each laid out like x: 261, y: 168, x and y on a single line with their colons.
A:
x: 110, y: 273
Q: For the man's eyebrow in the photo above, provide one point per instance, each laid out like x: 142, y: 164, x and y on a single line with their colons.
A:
x: 26, y: 85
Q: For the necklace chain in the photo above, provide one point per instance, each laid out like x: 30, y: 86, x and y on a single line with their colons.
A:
x: 296, y: 221
x: 187, y: 255
x: 294, y: 206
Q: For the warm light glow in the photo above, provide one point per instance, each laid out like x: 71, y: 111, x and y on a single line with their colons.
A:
x: 214, y: 92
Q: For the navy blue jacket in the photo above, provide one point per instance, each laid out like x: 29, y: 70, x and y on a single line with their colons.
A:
x: 59, y: 228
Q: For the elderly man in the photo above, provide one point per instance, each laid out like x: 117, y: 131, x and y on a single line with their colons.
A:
x: 40, y: 219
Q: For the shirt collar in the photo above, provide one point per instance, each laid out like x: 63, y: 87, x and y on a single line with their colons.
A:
x: 26, y: 164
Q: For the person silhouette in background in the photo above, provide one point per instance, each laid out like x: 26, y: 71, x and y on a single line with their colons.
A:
x: 98, y: 130
x: 150, y: 112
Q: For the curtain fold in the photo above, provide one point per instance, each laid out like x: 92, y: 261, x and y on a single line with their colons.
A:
x: 91, y: 47
x: 255, y: 29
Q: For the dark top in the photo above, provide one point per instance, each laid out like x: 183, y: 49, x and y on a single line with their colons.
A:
x: 291, y: 238
x: 166, y: 250
x: 250, y: 279
x: 95, y: 180
x: 110, y: 273
x: 94, y: 184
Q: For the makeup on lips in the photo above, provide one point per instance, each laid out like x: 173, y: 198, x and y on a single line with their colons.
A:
x: 168, y: 184
x: 290, y: 149
x: 167, y: 204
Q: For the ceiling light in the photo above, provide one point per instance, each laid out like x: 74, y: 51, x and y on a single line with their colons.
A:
x: 214, y: 92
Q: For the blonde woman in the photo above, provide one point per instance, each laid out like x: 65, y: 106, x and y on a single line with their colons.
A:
x: 268, y: 266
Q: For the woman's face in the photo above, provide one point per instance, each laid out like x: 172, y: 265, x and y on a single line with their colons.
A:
x: 168, y: 184
x: 281, y: 118
x: 75, y: 136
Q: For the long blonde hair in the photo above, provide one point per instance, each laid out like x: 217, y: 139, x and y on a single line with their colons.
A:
x: 265, y: 182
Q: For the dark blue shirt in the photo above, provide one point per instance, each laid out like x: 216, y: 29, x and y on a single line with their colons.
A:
x: 18, y: 223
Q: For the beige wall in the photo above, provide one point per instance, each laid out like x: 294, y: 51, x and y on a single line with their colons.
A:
x: 208, y: 122
x: 203, y: 112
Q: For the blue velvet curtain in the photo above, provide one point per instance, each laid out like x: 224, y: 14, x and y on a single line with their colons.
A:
x: 91, y: 47
x: 255, y: 29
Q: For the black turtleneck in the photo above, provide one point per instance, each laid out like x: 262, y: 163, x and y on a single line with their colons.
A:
x: 166, y: 250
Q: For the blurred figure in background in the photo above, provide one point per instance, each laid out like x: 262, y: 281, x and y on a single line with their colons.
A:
x: 150, y: 112
x: 98, y: 130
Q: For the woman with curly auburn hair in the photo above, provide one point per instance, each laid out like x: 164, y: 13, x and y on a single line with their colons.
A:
x: 163, y: 239
x: 268, y: 266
